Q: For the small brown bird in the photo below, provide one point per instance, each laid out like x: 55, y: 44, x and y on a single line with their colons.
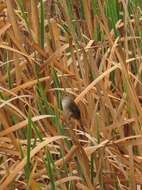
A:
x: 70, y: 109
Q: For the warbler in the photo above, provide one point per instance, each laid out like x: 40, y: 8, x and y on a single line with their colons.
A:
x: 71, y: 109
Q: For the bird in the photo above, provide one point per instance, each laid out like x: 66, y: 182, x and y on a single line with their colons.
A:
x: 71, y: 109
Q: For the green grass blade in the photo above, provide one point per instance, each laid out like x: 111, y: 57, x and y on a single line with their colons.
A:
x: 42, y: 27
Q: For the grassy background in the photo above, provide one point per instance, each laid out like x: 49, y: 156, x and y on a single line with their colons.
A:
x: 86, y: 48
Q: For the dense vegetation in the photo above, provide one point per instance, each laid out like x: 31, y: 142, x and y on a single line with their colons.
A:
x: 91, y: 49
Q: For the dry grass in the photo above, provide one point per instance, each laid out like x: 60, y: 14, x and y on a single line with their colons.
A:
x: 89, y: 49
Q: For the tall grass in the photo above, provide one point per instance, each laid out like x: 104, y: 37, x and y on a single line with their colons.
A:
x: 89, y: 49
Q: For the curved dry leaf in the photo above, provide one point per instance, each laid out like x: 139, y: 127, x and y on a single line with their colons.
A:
x: 16, y: 51
x: 6, y: 102
x: 14, y: 108
x: 22, y: 124
x: 92, y: 84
